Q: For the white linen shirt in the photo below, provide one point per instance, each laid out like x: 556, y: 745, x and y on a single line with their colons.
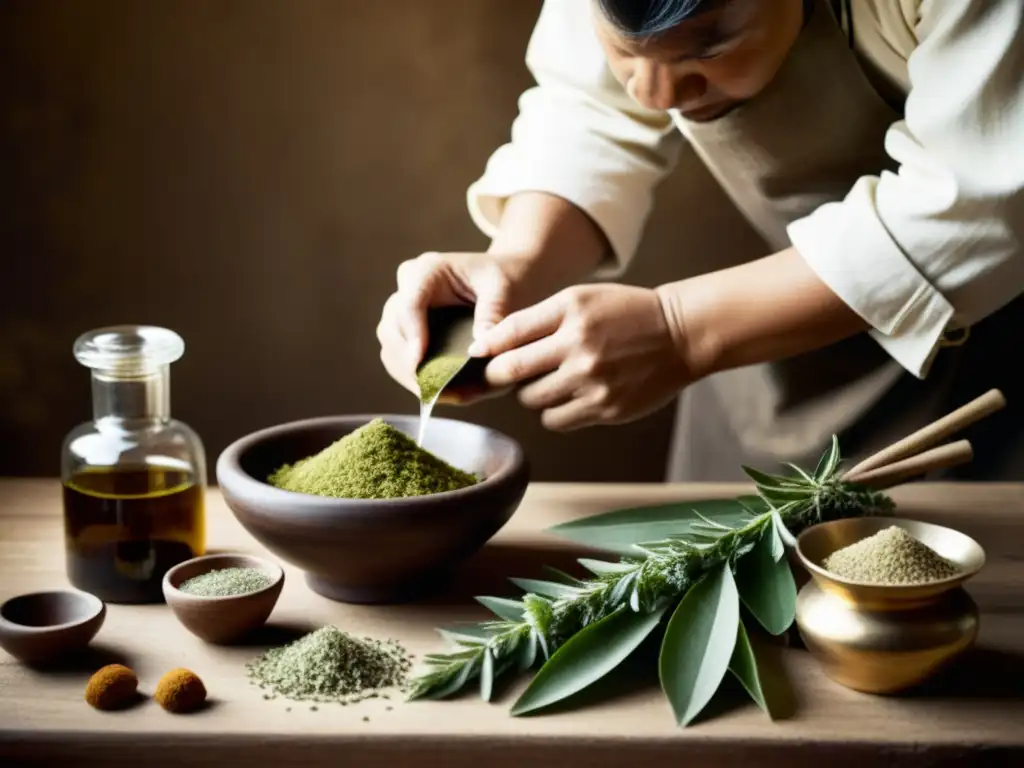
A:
x: 937, y: 245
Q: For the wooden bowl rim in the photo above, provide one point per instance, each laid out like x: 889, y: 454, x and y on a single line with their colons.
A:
x: 229, y: 467
x: 96, y: 609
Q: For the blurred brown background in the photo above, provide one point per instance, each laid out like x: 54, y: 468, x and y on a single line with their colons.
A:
x: 250, y: 173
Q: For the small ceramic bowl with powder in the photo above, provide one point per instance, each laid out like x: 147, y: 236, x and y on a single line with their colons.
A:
x: 221, y: 598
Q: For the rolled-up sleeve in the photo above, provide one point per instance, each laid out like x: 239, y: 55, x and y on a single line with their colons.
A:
x: 579, y: 136
x: 937, y: 246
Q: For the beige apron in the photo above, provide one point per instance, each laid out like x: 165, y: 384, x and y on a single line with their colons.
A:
x: 804, y: 141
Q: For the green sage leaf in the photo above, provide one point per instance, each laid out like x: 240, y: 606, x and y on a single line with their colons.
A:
x: 446, y: 659
x: 562, y: 576
x: 619, y: 530
x: 829, y: 461
x: 780, y: 526
x: 528, y: 652
x: 546, y: 588
x: 709, y: 524
x: 784, y: 497
x: 623, y: 586
x: 503, y: 608
x: 698, y: 643
x: 487, y: 675
x: 766, y: 585
x: 543, y: 643
x: 755, y: 506
x: 601, y: 568
x: 800, y: 473
x: 634, y: 598
x: 455, y: 683
x: 778, y: 545
x: 702, y: 529
x: 772, y: 482
x: 586, y: 657
x: 471, y: 635
x: 743, y: 665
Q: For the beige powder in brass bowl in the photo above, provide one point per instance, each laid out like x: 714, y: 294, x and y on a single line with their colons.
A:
x: 880, y: 638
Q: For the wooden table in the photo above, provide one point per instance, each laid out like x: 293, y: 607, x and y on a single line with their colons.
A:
x: 975, y: 716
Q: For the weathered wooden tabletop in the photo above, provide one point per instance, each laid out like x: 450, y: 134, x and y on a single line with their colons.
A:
x: 973, y: 716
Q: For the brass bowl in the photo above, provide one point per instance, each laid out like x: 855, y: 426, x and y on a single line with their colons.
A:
x: 885, y: 639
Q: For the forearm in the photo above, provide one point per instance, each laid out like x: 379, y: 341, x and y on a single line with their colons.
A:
x: 548, y: 242
x: 769, y: 309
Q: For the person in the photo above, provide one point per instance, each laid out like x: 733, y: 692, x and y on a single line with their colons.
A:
x: 876, y: 146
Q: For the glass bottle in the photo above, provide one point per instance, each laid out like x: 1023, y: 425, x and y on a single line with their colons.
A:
x: 133, y: 477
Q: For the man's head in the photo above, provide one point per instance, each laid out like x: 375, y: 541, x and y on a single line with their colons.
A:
x: 703, y: 57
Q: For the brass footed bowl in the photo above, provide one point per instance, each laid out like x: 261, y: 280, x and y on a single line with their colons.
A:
x: 885, y: 639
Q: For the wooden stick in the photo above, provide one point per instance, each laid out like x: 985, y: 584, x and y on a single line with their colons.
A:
x: 934, y: 433
x: 943, y: 457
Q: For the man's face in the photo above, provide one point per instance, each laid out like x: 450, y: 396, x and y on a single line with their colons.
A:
x: 709, y: 64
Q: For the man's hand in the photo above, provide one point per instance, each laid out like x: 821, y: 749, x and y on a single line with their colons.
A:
x: 545, y: 243
x: 436, y: 280
x: 598, y: 354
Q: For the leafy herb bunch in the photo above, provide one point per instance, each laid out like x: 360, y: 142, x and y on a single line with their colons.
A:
x: 708, y: 558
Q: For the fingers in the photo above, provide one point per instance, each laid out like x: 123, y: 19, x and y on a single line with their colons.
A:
x: 491, y: 288
x: 527, y: 362
x: 394, y: 348
x: 430, y: 280
x: 575, y: 414
x: 521, y: 328
x: 417, y: 283
x: 552, y: 390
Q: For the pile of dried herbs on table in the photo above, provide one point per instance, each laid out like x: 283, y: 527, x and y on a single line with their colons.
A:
x: 331, y: 666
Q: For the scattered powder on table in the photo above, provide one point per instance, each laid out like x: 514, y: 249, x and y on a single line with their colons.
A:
x: 330, y: 666
x: 377, y: 461
x: 224, y: 582
x: 891, y: 556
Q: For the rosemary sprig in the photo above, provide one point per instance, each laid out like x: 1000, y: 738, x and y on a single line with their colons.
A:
x: 656, y: 578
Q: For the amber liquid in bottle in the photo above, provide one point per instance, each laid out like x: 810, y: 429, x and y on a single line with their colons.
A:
x: 126, y: 526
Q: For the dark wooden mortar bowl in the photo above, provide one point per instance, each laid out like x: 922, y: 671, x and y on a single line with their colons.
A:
x: 374, y: 550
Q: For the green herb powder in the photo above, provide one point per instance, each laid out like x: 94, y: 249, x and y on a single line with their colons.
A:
x: 225, y: 582
x: 435, y: 374
x: 330, y: 666
x: 377, y: 461
x: 891, y: 556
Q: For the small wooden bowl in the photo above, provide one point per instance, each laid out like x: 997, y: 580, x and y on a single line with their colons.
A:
x: 222, y: 620
x: 42, y: 627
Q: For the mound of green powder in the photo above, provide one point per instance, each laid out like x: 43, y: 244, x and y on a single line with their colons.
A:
x: 891, y: 556
x: 329, y: 665
x: 377, y: 461
x: 225, y: 582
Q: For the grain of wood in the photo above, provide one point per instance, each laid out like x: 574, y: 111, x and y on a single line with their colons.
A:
x: 43, y: 718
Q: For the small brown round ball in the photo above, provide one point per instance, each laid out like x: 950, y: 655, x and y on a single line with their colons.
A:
x: 180, y: 691
x: 111, y: 687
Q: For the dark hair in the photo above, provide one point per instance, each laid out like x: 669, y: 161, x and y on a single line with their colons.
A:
x: 646, y: 18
